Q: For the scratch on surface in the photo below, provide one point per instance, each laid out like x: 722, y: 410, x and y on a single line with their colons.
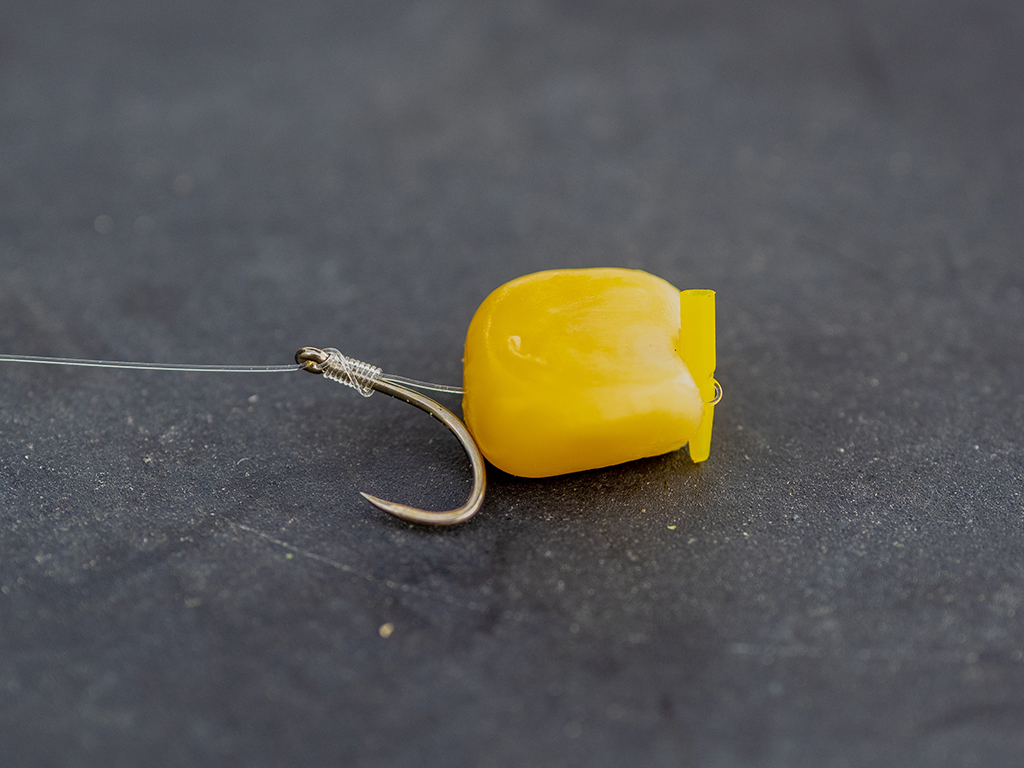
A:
x: 797, y: 651
x: 345, y: 568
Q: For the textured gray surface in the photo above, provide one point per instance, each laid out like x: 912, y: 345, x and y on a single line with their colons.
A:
x: 187, y: 575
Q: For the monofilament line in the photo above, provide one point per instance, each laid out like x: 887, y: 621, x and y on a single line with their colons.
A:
x: 417, y: 384
x: 71, y: 361
x: 188, y: 368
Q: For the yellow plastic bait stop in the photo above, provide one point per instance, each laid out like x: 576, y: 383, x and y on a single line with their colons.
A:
x: 564, y: 371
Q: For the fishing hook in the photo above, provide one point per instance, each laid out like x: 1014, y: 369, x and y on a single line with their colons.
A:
x: 367, y: 379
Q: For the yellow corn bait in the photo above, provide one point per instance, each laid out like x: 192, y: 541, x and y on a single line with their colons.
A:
x: 568, y: 370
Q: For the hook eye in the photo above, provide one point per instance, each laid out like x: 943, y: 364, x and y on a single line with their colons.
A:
x: 312, y: 359
x: 476, y: 459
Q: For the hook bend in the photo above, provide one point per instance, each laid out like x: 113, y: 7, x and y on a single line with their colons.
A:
x: 333, y: 365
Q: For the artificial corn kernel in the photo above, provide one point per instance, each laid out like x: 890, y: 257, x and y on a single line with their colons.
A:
x: 568, y: 370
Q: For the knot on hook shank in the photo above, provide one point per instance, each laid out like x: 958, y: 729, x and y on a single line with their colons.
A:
x: 333, y: 365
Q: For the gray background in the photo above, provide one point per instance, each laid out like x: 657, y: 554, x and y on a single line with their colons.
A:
x: 187, y: 574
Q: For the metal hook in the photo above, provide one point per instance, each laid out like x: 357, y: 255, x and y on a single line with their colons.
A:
x: 366, y: 379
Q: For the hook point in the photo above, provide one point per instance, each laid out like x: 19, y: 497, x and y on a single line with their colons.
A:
x: 422, y: 516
